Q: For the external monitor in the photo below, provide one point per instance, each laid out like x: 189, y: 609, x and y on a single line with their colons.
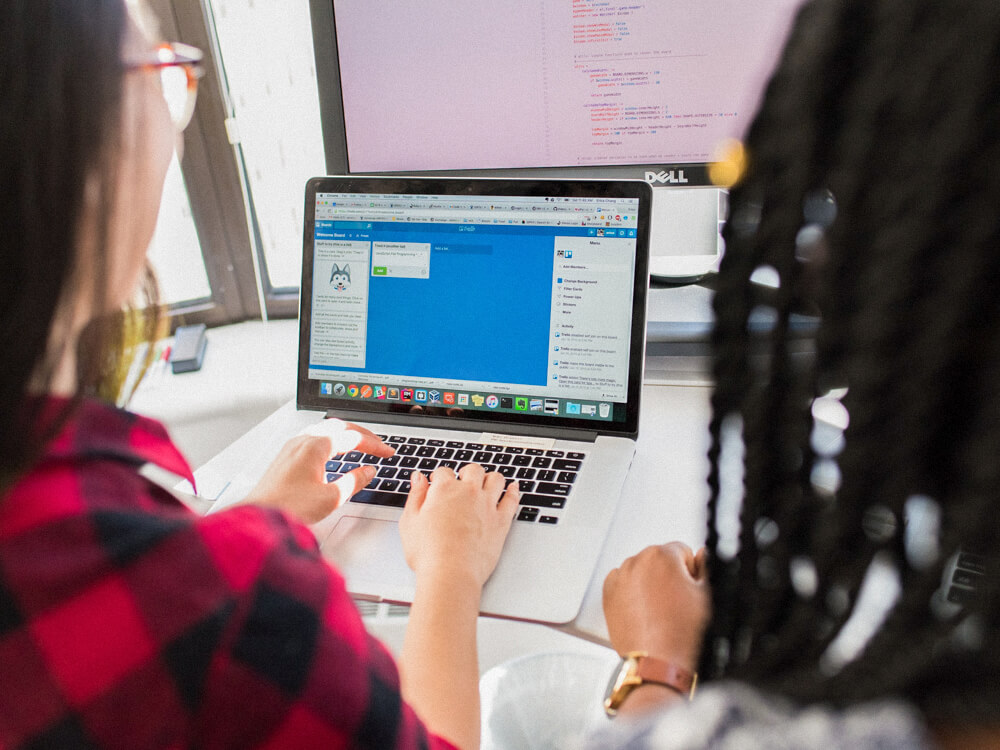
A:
x: 551, y: 88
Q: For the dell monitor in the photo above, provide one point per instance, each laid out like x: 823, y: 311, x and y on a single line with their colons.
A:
x: 551, y: 88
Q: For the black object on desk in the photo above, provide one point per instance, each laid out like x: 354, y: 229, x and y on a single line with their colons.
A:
x: 189, y: 348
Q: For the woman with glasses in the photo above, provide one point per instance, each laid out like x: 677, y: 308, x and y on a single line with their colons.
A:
x: 125, y: 619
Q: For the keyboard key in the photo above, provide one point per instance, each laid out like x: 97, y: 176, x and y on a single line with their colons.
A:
x: 565, y: 465
x: 425, y: 451
x: 555, y: 454
x: 958, y: 595
x: 526, y: 473
x: 344, y: 468
x: 543, y: 501
x: 416, y: 441
x: 576, y: 456
x: 546, y: 475
x: 551, y: 488
x: 482, y: 457
x: 387, y: 472
x: 404, y: 487
x: 390, y: 461
x: 435, y: 443
x: 379, y: 497
x: 409, y: 462
x: 444, y: 453
x: 333, y: 465
x: 453, y: 465
x: 494, y: 448
x: 332, y: 477
x: 369, y: 459
x: 406, y: 450
x: 381, y: 437
x: 428, y: 464
x: 548, y: 519
x: 525, y: 485
x: 474, y: 446
x: 502, y: 458
x: 534, y: 452
x: 455, y: 444
x: 464, y: 455
x: 527, y: 514
x: 389, y: 485
x: 566, y: 477
x: 522, y: 460
x: 353, y: 456
x: 513, y: 449
x: 396, y: 439
x: 966, y: 578
x: 972, y: 562
x: 507, y: 471
x: 541, y: 462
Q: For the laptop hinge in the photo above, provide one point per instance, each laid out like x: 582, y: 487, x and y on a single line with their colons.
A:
x: 470, y: 425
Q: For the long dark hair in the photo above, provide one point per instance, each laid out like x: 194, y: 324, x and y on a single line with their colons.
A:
x: 871, y: 198
x: 61, y: 86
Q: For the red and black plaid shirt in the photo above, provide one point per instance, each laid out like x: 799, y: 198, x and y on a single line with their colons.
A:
x: 128, y: 621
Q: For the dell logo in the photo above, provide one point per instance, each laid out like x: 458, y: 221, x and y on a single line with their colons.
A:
x: 667, y: 178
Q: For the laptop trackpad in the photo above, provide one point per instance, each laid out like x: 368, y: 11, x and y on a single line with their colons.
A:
x: 369, y: 554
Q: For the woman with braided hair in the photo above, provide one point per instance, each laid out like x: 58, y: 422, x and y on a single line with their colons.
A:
x: 853, y: 522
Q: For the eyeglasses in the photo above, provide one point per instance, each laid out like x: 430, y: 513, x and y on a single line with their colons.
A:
x: 179, y: 68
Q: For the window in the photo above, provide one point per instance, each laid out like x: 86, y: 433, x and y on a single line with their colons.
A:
x: 266, y: 49
x: 229, y: 243
x: 175, y: 252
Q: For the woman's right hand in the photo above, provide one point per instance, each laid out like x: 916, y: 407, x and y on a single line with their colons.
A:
x: 453, y: 530
x: 455, y: 525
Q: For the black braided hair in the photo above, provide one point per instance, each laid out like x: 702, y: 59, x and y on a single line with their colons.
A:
x: 872, y: 194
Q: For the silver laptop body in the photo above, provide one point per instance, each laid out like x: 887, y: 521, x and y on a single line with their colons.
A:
x: 503, y: 315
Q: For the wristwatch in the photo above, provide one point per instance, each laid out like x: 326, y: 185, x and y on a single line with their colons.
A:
x: 638, y: 668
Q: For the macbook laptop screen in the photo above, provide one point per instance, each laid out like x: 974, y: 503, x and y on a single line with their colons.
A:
x: 506, y: 306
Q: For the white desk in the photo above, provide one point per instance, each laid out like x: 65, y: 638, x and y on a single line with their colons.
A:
x: 663, y: 499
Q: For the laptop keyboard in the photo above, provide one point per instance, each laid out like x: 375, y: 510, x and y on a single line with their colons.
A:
x: 545, y: 477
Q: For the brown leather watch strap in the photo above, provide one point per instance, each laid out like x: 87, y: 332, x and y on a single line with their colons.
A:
x: 651, y: 669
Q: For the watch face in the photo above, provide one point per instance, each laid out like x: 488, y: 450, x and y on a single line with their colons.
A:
x: 621, y: 684
x: 616, y: 678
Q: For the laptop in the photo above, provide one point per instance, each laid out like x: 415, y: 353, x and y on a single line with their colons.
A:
x: 495, y: 321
